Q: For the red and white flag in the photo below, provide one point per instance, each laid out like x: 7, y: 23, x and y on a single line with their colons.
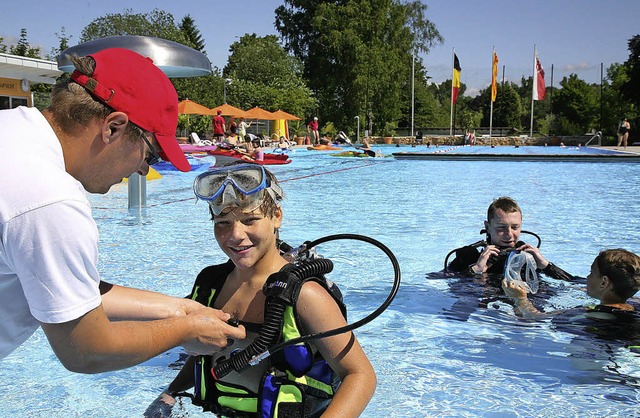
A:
x: 539, y: 89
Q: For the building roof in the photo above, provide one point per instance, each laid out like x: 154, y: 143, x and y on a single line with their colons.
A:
x: 33, y: 69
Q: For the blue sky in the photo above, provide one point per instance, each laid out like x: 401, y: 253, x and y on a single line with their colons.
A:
x: 573, y: 35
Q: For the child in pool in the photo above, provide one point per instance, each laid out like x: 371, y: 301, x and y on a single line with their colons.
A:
x: 244, y: 202
x: 614, y: 278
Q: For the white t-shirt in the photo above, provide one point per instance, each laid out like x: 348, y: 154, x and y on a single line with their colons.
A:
x: 48, y: 239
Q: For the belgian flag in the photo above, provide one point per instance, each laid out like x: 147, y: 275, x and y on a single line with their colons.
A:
x: 455, y: 81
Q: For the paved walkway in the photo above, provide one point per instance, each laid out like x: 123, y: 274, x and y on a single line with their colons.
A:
x: 634, y: 149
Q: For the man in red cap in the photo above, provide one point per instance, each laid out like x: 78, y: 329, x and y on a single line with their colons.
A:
x: 115, y: 116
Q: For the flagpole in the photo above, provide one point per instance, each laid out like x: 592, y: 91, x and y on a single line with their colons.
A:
x: 493, y: 52
x: 453, y: 59
x: 534, y: 82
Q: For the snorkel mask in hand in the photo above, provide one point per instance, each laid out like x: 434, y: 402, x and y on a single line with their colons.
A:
x: 514, y: 266
x: 240, y: 185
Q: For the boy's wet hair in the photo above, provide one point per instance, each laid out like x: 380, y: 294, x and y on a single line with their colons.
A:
x: 506, y: 204
x: 622, y: 267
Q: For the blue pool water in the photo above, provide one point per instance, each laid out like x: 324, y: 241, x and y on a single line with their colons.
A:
x: 435, y: 350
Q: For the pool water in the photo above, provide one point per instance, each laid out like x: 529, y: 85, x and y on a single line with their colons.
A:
x: 436, y: 351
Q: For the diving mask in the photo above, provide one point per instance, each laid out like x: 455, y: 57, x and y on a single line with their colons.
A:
x: 240, y: 185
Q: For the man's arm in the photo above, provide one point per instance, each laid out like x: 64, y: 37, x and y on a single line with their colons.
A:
x: 124, y: 303
x: 93, y: 344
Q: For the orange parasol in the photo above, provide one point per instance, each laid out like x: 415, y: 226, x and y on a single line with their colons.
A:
x: 258, y: 113
x: 188, y: 107
x: 228, y: 110
x: 281, y: 114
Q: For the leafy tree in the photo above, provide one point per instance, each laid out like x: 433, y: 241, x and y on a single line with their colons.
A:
x: 63, y: 43
x: 507, y: 109
x: 576, y: 104
x: 3, y: 47
x: 265, y: 75
x: 192, y: 33
x: 22, y: 48
x: 631, y: 86
x: 157, y: 23
x: 366, y: 46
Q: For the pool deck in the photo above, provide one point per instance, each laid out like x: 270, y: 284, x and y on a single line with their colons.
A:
x: 630, y: 155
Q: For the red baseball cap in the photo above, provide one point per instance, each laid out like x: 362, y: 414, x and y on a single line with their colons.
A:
x: 128, y: 82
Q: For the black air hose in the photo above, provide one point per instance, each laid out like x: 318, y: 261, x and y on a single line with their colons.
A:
x: 270, y: 330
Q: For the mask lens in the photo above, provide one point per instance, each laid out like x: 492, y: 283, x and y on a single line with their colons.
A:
x: 247, y: 178
x: 231, y: 197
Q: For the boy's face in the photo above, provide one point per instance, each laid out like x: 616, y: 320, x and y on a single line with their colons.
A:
x: 594, y: 281
x: 245, y: 237
x: 504, y: 228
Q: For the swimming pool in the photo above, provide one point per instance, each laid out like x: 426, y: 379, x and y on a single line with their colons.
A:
x: 430, y: 360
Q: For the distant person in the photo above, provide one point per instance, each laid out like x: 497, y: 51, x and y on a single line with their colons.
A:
x: 623, y: 132
x: 258, y: 152
x: 312, y: 128
x: 614, y: 278
x: 219, y: 127
x: 472, y: 138
x: 114, y: 116
x: 233, y: 126
x: 242, y: 127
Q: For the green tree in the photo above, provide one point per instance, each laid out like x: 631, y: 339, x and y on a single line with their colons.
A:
x: 366, y: 46
x: 631, y: 86
x: 192, y: 33
x: 22, y: 48
x: 3, y: 47
x: 264, y: 74
x: 576, y: 105
x: 63, y: 43
x: 157, y: 23
x: 507, y: 109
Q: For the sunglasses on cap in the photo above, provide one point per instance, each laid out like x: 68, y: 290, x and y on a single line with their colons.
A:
x: 241, y: 185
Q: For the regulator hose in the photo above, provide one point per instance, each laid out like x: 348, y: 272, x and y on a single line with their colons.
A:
x: 264, y: 345
x: 270, y: 330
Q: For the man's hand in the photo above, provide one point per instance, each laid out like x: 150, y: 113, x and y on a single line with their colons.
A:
x: 482, y: 264
x: 541, y: 262
x: 211, y: 331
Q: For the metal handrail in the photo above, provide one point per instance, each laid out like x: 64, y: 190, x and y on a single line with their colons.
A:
x: 596, y: 135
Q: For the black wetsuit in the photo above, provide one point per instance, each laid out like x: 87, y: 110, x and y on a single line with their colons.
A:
x: 468, y: 255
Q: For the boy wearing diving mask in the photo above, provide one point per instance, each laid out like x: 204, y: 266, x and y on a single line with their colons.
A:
x: 326, y: 376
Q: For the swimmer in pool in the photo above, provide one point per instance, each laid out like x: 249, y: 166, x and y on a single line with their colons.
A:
x: 614, y: 278
x: 503, y: 227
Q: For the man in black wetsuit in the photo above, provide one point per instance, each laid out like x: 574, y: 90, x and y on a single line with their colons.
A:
x: 503, y: 226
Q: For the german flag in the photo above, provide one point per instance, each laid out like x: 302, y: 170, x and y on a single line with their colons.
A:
x: 455, y: 80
